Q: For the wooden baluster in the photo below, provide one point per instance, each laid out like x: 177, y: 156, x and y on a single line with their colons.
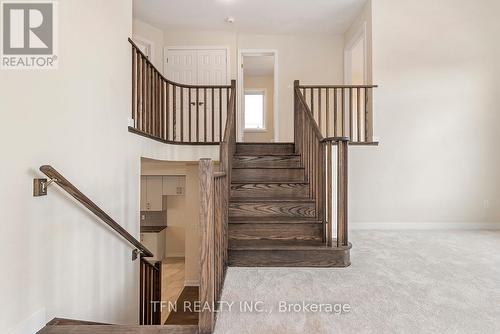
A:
x: 327, y: 112
x: 205, y: 115
x: 319, y: 110
x: 162, y: 109
x: 174, y: 112
x: 167, y: 136
x: 182, y: 114
x: 134, y: 78
x: 141, y: 293
x: 358, y: 107
x: 197, y: 115
x: 190, y: 121
x: 143, y: 97
x: 312, y: 102
x: 329, y: 168
x: 342, y: 114
x: 342, y: 185
x: 335, y: 123
x: 139, y: 92
x: 367, y: 119
x: 351, y: 114
x: 220, y: 115
x: 213, y: 116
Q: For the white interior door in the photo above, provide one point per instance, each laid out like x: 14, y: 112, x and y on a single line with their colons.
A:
x: 201, y: 67
x: 182, y: 66
x: 212, y: 67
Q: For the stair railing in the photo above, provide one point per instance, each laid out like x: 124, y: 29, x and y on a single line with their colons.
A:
x: 150, y: 273
x: 341, y: 110
x: 175, y: 113
x: 214, y: 213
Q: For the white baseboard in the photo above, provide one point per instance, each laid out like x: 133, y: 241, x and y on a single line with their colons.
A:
x: 192, y: 282
x: 424, y: 226
x: 32, y: 324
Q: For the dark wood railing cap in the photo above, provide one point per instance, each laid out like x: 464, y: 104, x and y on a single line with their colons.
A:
x: 336, y: 139
x: 170, y: 81
x: 336, y: 86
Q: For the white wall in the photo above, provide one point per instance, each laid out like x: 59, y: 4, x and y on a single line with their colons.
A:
x: 364, y: 18
x: 313, y: 59
x: 59, y: 259
x: 436, y: 113
x: 155, y: 36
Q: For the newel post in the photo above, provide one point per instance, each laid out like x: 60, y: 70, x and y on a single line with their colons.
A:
x: 342, y: 188
x: 207, y: 285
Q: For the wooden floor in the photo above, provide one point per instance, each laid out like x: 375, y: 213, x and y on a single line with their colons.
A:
x: 172, y: 282
x: 185, y: 316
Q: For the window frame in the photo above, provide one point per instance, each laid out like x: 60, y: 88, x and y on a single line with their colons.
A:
x: 256, y: 91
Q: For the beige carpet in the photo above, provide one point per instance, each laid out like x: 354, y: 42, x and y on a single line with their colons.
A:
x: 399, y: 282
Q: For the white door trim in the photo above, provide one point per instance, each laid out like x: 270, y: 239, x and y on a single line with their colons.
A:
x: 240, y: 90
x: 359, y: 35
x: 194, y: 47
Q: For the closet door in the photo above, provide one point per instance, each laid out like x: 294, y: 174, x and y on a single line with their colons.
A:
x: 201, y: 106
x: 212, y: 70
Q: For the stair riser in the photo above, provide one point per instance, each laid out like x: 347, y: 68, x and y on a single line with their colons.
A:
x: 262, y: 149
x: 271, y: 175
x: 289, y: 258
x: 273, y: 209
x: 267, y: 161
x: 281, y: 231
x: 270, y: 190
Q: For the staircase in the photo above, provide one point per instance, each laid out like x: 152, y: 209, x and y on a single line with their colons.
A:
x: 272, y: 219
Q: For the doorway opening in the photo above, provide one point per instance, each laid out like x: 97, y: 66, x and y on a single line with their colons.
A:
x: 257, y: 92
x: 169, y: 222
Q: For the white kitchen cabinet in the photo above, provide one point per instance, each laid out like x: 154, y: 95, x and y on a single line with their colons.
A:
x: 174, y: 185
x: 154, y: 193
x: 143, y: 193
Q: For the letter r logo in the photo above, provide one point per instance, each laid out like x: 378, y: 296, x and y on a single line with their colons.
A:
x: 27, y: 28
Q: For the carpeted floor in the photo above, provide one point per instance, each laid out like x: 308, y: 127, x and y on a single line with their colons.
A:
x: 399, y: 282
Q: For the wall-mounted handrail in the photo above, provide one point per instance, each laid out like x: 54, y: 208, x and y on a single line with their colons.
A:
x: 67, y: 186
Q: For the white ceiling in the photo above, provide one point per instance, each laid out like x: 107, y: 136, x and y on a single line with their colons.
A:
x: 258, y: 65
x: 251, y: 16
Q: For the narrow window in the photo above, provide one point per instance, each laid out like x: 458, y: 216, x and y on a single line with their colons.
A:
x: 254, y: 109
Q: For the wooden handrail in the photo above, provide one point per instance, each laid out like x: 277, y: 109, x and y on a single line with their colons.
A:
x: 67, y: 186
x: 170, y: 81
x: 338, y: 86
x: 341, y: 110
x: 308, y: 114
x: 172, y: 112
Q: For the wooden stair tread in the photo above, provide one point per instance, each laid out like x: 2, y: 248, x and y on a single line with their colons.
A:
x: 270, y: 182
x: 269, y: 167
x: 67, y: 322
x: 260, y: 245
x: 119, y: 329
x: 270, y: 200
x: 274, y: 220
x: 276, y: 154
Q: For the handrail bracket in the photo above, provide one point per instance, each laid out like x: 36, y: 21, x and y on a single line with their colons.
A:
x: 40, y: 186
